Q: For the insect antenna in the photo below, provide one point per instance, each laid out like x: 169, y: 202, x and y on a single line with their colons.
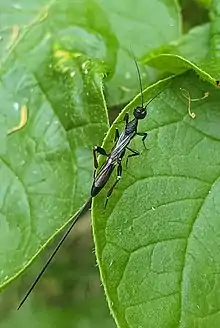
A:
x: 155, y: 96
x: 40, y: 274
x: 139, y: 77
x: 140, y: 83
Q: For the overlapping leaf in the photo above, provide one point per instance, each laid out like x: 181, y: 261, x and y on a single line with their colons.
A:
x: 157, y: 243
x: 46, y: 165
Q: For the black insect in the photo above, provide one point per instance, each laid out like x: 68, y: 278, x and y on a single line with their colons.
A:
x: 114, y: 158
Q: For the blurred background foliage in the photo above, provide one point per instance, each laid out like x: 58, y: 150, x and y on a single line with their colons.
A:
x: 70, y: 293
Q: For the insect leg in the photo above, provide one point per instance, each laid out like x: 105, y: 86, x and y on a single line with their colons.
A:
x: 126, y: 118
x: 116, y: 134
x: 144, y: 136
x: 134, y: 153
x: 119, y: 174
x: 100, y: 151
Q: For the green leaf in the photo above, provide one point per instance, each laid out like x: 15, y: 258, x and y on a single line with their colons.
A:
x: 200, y: 46
x: 157, y: 243
x: 99, y: 29
x: 140, y: 31
x: 214, y: 61
x: 205, y: 3
x: 173, y: 64
x: 46, y: 165
x: 193, y: 46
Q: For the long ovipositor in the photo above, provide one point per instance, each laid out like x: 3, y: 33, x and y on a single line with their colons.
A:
x: 113, y: 159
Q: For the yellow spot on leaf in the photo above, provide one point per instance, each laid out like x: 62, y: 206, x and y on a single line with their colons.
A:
x: 62, y: 54
x: 23, y: 121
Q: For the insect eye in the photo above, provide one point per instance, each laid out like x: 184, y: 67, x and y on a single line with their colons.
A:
x: 140, y: 112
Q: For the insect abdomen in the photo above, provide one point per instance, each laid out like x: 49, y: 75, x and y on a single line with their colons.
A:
x: 95, y: 190
x: 101, y: 179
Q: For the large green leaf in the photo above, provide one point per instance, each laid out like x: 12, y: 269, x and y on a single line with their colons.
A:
x: 157, y: 243
x: 101, y: 29
x: 46, y: 166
